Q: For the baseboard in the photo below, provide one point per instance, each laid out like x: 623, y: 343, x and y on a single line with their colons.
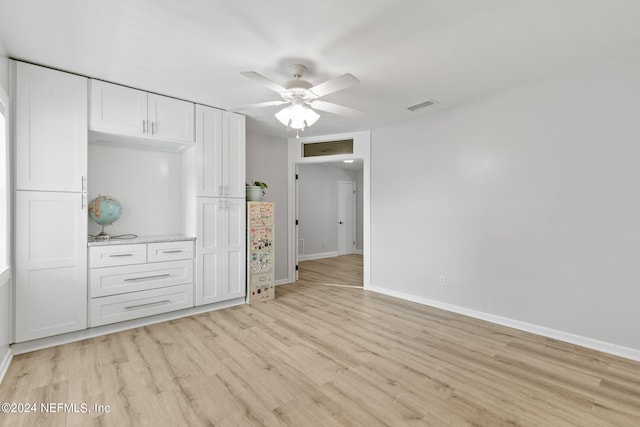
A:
x: 359, y: 252
x: 603, y: 346
x: 4, y: 365
x: 282, y: 282
x: 308, y: 257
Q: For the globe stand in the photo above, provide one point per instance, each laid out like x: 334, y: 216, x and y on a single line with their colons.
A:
x: 102, y: 236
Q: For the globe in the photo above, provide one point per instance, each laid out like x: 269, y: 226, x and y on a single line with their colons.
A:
x: 105, y: 210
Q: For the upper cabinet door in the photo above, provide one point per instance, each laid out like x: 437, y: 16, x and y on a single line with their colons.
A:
x: 51, y: 129
x: 118, y: 109
x: 170, y: 119
x: 208, y: 151
x: 220, y: 158
x: 234, y: 139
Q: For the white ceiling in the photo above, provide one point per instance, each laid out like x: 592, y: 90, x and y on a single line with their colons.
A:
x: 402, y: 51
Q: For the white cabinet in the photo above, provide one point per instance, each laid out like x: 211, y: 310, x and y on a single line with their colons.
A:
x: 121, y: 110
x: 220, y: 172
x: 50, y: 203
x: 51, y: 264
x: 220, y: 139
x: 129, y: 281
x: 118, y: 109
x: 220, y: 250
x: 51, y: 129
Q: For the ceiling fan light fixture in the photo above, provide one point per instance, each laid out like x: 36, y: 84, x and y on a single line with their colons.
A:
x: 297, y: 116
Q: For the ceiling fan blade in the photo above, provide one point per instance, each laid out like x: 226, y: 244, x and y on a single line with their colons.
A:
x: 263, y: 80
x: 330, y: 107
x: 258, y: 105
x: 339, y: 83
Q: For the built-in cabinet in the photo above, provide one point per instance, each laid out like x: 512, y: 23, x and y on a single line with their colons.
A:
x: 61, y: 284
x: 50, y: 129
x: 220, y: 157
x: 220, y: 250
x: 220, y: 181
x: 122, y: 110
x: 50, y: 202
x: 128, y: 281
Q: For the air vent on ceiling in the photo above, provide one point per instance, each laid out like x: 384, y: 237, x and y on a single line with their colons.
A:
x: 426, y: 103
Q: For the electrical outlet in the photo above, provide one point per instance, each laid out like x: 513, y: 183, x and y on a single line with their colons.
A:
x: 443, y: 280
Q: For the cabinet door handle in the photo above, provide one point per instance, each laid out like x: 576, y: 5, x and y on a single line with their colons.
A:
x: 119, y: 255
x: 156, y: 276
x: 154, y: 128
x: 175, y: 251
x: 144, y: 126
x: 164, y: 301
x: 84, y: 183
x: 84, y: 202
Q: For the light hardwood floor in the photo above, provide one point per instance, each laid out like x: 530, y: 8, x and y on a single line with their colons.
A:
x: 323, y: 356
x: 341, y: 270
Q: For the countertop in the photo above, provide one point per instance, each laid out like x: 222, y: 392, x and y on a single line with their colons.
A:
x: 141, y: 239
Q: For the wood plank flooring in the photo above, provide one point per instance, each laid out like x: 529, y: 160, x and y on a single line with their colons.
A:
x: 324, y: 356
x: 341, y: 270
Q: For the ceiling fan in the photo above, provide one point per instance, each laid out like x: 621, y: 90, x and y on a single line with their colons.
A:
x: 303, y: 97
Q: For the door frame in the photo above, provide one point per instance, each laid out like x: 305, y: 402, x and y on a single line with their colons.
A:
x: 362, y: 151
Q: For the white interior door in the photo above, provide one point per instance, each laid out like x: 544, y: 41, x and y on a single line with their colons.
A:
x: 346, y: 217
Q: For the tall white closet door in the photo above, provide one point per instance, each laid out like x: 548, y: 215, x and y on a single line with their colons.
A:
x: 234, y: 282
x: 234, y: 164
x: 209, y: 251
x: 51, y: 129
x: 51, y: 260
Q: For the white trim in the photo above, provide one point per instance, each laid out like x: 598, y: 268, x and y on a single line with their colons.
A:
x: 362, y: 150
x: 603, y: 346
x: 282, y: 282
x: 5, y: 277
x: 70, y: 337
x: 4, y: 365
x: 307, y: 257
x: 358, y: 252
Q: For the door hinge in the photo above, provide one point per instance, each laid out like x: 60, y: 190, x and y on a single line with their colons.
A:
x: 296, y: 176
x: 297, y: 222
x: 297, y: 267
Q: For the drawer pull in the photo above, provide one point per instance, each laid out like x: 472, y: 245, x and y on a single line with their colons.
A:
x: 176, y: 251
x: 119, y: 255
x: 157, y: 276
x: 164, y: 301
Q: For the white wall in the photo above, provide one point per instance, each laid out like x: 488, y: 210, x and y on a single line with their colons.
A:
x: 5, y: 294
x: 267, y: 162
x: 318, y: 204
x: 528, y: 202
x: 149, y: 184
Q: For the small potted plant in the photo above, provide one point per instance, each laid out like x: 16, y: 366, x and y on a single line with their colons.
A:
x: 255, y: 191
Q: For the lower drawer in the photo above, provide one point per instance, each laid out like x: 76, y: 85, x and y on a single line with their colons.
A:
x: 118, y: 308
x: 131, y: 278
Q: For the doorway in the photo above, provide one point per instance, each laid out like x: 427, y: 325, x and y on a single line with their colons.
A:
x: 361, y: 153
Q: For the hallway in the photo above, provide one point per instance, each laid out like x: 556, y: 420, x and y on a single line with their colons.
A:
x: 341, y: 270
